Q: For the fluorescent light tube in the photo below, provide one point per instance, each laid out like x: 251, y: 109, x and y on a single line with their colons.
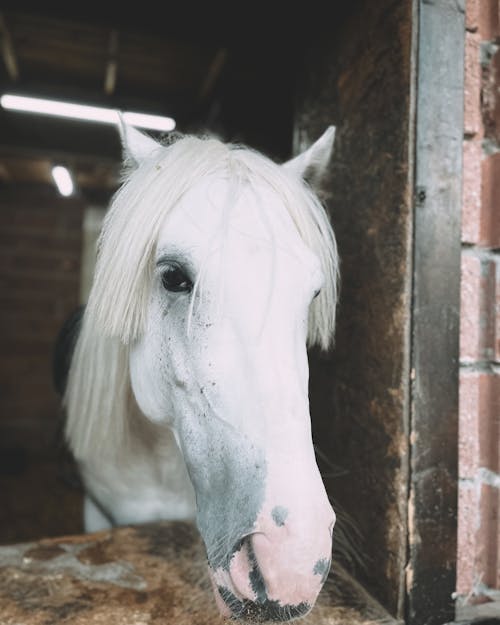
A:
x: 63, y: 180
x: 84, y: 112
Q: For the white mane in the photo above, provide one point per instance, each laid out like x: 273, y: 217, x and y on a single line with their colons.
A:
x: 98, y: 397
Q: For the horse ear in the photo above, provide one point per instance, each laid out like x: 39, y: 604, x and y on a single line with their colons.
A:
x: 312, y: 164
x: 136, y: 145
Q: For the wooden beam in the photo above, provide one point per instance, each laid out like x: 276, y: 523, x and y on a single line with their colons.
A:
x: 8, y: 52
x: 432, y: 539
x: 112, y: 64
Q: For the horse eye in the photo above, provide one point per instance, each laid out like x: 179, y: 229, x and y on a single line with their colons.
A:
x: 316, y: 293
x: 174, y: 279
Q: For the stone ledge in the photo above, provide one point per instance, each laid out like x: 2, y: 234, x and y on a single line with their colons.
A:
x: 142, y: 575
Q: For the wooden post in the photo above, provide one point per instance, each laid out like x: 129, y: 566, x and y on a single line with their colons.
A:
x: 431, y: 569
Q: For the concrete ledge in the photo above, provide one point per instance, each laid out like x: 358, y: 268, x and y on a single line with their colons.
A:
x: 143, y: 575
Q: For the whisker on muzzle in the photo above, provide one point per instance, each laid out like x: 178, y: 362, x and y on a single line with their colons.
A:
x: 259, y: 612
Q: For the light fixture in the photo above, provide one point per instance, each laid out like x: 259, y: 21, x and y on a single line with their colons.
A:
x: 84, y: 112
x: 63, y: 180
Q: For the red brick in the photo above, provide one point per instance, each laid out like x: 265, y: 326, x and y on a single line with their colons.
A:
x: 472, y: 15
x: 487, y: 537
x: 478, y: 536
x: 490, y: 194
x: 45, y: 218
x: 32, y: 278
x: 497, y: 312
x: 470, y: 306
x: 468, y: 440
x: 479, y: 427
x: 489, y: 422
x: 471, y: 194
x: 27, y: 231
x: 29, y: 319
x: 472, y: 87
x: 61, y: 263
x: 478, y: 315
x: 21, y: 238
x: 26, y: 248
x: 489, y: 24
x: 468, y: 504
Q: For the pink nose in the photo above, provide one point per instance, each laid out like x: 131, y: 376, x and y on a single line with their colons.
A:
x: 278, y: 571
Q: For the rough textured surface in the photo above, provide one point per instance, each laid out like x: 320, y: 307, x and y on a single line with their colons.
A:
x: 490, y: 190
x: 359, y: 79
x: 472, y: 86
x: 146, y: 575
x: 478, y: 570
x: 479, y: 492
x: 471, y: 192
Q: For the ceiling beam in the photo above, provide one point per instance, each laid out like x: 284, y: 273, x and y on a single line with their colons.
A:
x: 8, y: 52
x: 112, y: 64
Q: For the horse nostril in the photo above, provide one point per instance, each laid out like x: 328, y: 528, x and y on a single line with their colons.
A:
x: 252, y: 576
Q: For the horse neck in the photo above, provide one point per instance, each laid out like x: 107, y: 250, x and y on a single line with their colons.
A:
x: 149, y: 458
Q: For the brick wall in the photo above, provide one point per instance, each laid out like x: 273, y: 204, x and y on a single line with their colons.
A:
x: 479, y: 443
x: 40, y: 249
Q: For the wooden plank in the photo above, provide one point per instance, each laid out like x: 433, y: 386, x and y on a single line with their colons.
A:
x: 435, y: 319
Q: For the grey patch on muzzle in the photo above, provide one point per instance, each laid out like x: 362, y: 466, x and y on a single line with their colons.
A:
x: 279, y: 514
x: 228, y: 473
x: 260, y: 611
x: 322, y: 567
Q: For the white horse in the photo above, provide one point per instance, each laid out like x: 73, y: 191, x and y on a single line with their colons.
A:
x: 187, y: 395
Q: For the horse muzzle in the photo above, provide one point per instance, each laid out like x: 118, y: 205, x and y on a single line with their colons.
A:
x: 277, y: 572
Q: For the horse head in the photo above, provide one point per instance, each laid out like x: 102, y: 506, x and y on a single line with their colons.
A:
x: 235, y: 271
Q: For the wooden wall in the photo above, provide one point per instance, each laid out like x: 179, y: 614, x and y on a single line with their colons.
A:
x: 360, y: 80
